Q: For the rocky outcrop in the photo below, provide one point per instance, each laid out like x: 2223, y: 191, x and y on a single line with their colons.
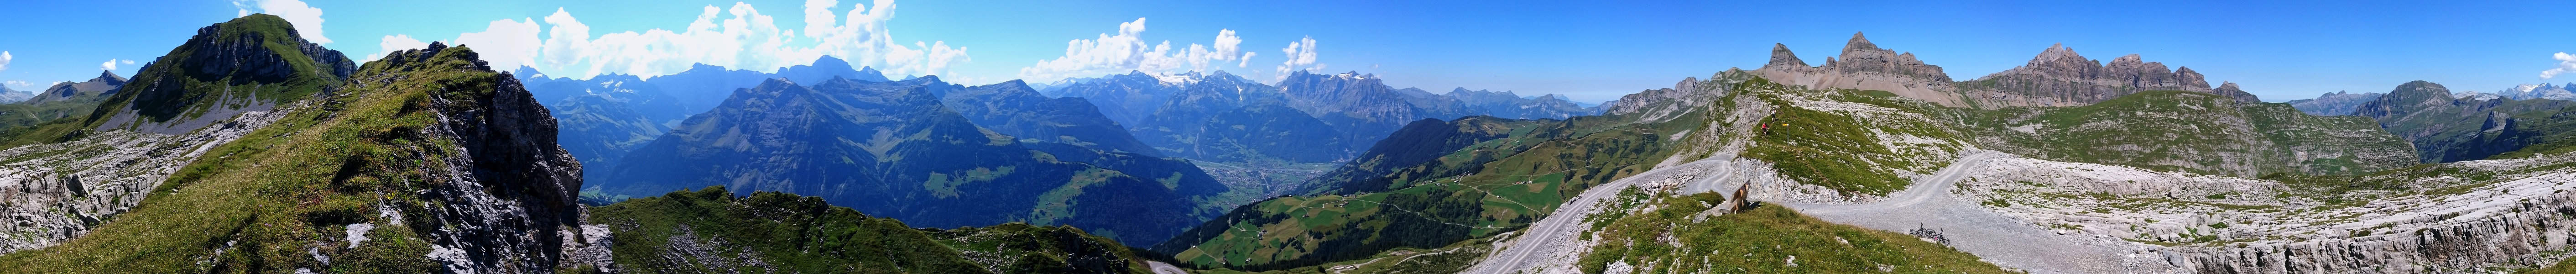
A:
x: 1863, y: 65
x: 2337, y: 103
x: 2517, y: 218
x: 511, y: 202
x: 2060, y: 77
x: 60, y: 191
x: 2056, y: 77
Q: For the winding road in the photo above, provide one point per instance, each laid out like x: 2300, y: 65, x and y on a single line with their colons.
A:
x: 1557, y: 232
x: 2003, y: 240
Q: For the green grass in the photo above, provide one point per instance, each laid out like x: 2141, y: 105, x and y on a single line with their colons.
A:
x: 1824, y: 149
x: 287, y: 190
x: 714, y: 230
x: 2563, y: 267
x: 1489, y: 187
x: 2183, y: 131
x: 1762, y: 240
x: 183, y: 91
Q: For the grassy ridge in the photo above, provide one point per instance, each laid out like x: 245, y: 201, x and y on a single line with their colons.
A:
x: 771, y: 232
x: 1673, y: 239
x: 1489, y: 187
x: 266, y: 203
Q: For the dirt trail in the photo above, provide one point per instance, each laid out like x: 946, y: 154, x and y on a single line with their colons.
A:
x: 2003, y: 240
x: 1550, y: 243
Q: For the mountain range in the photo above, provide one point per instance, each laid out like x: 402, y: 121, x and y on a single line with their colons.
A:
x: 897, y: 149
x: 2056, y: 77
x: 248, y: 149
x: 1308, y: 118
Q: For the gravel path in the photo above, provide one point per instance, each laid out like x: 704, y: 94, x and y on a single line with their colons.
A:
x: 2003, y: 240
x: 1550, y: 242
x: 1165, y: 268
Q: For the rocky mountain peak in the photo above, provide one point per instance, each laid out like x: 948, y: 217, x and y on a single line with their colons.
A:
x: 1780, y: 56
x: 109, y: 76
x: 2057, y: 52
x: 1858, y: 43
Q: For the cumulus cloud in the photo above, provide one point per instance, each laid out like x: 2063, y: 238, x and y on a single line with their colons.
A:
x: 505, y: 43
x: 307, y: 19
x: 1128, y: 51
x: 2566, y: 64
x: 393, y: 43
x: 110, y: 65
x: 19, y: 84
x: 738, y: 36
x: 862, y: 38
x: 128, y: 62
x: 4, y: 60
x: 1301, y: 56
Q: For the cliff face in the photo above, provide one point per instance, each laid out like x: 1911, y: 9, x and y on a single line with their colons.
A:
x: 1866, y: 66
x: 523, y: 187
x: 2056, y: 77
x: 2060, y: 77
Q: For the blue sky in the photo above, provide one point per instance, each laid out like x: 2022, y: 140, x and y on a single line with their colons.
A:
x: 1591, y: 51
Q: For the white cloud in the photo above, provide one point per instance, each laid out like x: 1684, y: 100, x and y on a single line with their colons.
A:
x: 110, y: 65
x: 1301, y: 56
x: 506, y: 43
x: 20, y: 84
x: 128, y: 62
x: 738, y: 37
x: 1128, y: 51
x: 307, y: 19
x: 864, y: 40
x: 393, y: 43
x: 2566, y: 64
x: 4, y: 60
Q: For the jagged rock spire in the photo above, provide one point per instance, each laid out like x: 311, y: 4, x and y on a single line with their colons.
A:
x: 1858, y: 42
x: 1780, y: 55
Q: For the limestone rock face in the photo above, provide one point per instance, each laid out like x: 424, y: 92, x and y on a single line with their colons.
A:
x: 1865, y: 66
x: 511, y: 204
x: 61, y: 191
x: 2518, y: 217
x: 2056, y: 77
x: 2060, y: 77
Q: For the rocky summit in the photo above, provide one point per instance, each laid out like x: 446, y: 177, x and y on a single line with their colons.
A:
x: 2056, y: 77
